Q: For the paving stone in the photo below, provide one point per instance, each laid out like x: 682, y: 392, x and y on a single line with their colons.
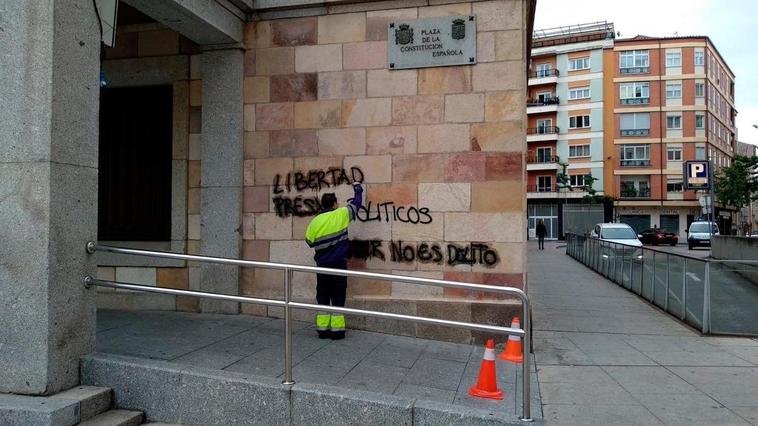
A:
x: 374, y: 377
x: 598, y: 415
x: 436, y: 373
x: 689, y: 409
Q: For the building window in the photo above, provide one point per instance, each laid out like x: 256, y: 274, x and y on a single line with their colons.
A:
x: 579, y: 93
x: 674, y: 154
x: 579, y: 64
x: 635, y: 93
x: 674, y: 185
x: 634, y: 61
x: 635, y: 155
x: 576, y: 151
x: 579, y: 122
x: 576, y: 180
x: 699, y: 153
x: 699, y: 90
x: 544, y: 184
x: 545, y: 97
x: 544, y: 126
x: 674, y: 122
x: 635, y: 124
x: 635, y: 188
x: 544, y: 155
x: 543, y: 70
x: 673, y: 59
x: 699, y: 120
x: 699, y: 60
x: 673, y: 90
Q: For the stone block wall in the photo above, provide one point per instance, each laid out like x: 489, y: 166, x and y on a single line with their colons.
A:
x: 440, y: 152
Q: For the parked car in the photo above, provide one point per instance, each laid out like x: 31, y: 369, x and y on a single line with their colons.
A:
x: 616, y: 233
x: 657, y: 236
x: 699, y: 234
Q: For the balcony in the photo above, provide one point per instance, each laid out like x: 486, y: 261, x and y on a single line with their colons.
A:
x: 534, y: 106
x: 542, y: 159
x: 542, y: 189
x: 635, y: 70
x: 634, y: 101
x: 542, y: 162
x: 543, y: 77
x: 635, y: 163
x: 544, y: 133
x: 635, y: 132
x: 635, y: 193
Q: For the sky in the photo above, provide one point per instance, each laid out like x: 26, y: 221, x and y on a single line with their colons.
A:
x: 731, y: 25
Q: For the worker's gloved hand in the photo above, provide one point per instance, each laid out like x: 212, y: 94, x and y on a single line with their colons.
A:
x: 357, y: 187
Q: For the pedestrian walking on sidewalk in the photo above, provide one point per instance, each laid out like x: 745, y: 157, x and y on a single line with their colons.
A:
x: 541, y: 232
x: 327, y: 235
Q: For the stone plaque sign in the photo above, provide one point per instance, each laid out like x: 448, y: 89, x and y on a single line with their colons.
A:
x: 435, y: 42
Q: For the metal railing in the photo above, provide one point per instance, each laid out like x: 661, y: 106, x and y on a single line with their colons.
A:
x: 288, y: 304
x: 713, y: 296
x: 543, y: 130
x: 544, y: 73
x: 555, y: 100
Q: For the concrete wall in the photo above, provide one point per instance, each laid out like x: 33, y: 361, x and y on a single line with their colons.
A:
x: 448, y: 142
x: 48, y: 207
x: 735, y: 248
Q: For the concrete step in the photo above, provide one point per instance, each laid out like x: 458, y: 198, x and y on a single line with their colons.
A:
x: 116, y: 418
x: 175, y: 393
x: 92, y: 400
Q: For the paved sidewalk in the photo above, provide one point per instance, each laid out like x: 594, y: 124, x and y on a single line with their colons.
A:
x: 403, y: 366
x: 604, y: 356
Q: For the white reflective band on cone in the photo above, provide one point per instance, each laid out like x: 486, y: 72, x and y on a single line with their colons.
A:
x: 512, y: 337
x: 489, y: 354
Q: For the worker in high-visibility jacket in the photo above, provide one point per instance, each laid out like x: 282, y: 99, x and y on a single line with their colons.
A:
x: 327, y: 234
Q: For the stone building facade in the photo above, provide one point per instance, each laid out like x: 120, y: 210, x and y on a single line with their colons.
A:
x: 259, y: 91
x: 440, y: 151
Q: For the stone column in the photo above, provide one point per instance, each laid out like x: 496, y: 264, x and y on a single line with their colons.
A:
x: 48, y: 191
x: 221, y: 173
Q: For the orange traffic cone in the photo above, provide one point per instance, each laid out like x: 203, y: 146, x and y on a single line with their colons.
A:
x: 512, y: 350
x: 486, y: 385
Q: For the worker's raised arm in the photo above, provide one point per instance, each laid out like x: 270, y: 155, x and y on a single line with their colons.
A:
x: 357, y: 201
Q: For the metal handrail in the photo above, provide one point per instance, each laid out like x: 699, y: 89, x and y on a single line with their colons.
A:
x: 288, y: 304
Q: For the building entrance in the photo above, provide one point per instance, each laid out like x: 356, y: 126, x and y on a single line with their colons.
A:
x: 547, y: 213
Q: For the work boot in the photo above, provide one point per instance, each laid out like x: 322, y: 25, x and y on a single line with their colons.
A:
x: 338, y: 335
x: 324, y: 334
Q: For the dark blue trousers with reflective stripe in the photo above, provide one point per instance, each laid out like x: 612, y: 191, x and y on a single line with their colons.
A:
x: 331, y: 290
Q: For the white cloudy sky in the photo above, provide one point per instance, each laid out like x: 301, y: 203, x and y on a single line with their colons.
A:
x: 732, y: 25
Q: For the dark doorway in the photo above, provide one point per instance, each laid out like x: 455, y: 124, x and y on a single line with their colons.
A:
x: 638, y: 222
x: 135, y: 164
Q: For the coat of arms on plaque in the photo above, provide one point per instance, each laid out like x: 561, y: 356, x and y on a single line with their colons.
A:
x: 404, y: 34
x: 459, y: 29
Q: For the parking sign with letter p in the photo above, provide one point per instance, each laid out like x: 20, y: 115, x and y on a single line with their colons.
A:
x: 697, y: 175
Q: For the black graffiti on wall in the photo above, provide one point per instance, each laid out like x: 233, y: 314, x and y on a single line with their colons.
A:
x: 450, y: 253
x: 316, y: 180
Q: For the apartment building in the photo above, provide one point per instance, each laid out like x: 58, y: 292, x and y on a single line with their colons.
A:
x: 669, y: 100
x: 565, y: 119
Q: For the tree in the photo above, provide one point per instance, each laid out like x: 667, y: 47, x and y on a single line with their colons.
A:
x: 737, y: 185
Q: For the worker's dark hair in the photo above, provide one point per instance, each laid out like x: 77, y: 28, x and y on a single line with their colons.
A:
x: 328, y: 200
